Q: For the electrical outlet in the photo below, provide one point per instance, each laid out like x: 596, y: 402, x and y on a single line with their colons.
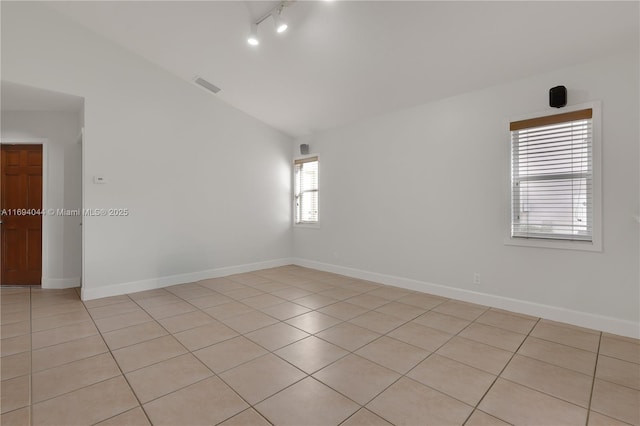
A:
x: 476, y: 278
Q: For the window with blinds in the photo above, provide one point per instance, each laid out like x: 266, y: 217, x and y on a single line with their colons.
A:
x: 552, y: 177
x: 306, y: 190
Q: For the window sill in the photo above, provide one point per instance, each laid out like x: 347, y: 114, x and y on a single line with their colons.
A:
x: 307, y: 225
x: 554, y: 244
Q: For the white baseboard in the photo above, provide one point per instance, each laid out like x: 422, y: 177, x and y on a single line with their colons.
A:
x: 153, y: 283
x: 60, y: 282
x: 555, y: 313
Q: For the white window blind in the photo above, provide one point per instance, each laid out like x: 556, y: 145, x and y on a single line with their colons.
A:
x: 306, y: 190
x: 552, y: 177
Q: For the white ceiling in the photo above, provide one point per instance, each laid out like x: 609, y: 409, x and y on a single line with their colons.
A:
x: 344, y: 60
x: 17, y: 97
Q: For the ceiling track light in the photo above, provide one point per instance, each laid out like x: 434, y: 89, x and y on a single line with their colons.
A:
x: 276, y: 14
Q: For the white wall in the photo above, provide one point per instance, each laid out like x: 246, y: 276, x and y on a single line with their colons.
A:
x: 420, y: 197
x: 61, y: 234
x: 207, y: 187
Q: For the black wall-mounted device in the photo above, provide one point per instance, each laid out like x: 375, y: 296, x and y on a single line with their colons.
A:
x: 304, y: 148
x: 558, y: 97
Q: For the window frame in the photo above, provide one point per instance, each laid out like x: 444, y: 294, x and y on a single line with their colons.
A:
x: 596, y: 243
x: 316, y: 224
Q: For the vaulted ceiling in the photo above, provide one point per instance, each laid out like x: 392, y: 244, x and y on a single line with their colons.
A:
x: 344, y: 60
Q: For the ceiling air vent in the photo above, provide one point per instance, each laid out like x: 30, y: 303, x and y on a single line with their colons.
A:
x: 204, y: 83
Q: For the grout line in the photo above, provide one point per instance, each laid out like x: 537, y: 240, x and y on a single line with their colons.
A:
x: 593, y: 382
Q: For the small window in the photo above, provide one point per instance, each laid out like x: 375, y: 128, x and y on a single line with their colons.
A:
x: 306, y: 190
x: 552, y: 177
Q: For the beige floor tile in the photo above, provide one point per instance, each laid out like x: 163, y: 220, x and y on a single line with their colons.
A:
x: 453, y: 378
x: 275, y: 336
x: 284, y: 311
x: 250, y: 321
x: 114, y: 309
x: 16, y: 308
x: 493, y: 336
x: 478, y: 355
x: 567, y: 336
x: 15, y: 329
x: 343, y: 310
x: 72, y: 376
x: 230, y: 353
x: 422, y: 300
x: 421, y: 336
x: 517, y: 404
x: 186, y: 321
x: 7, y: 317
x: 617, y: 371
x: 305, y: 403
x: 315, y: 301
x: 480, y: 418
x: 401, y: 310
x: 364, y: 417
x: 311, y: 354
x: 262, y: 301
x: 339, y: 293
x: 129, y: 319
x: 243, y: 293
x: 15, y: 365
x: 19, y: 417
x: 271, y: 286
x: 291, y: 293
x: 367, y: 301
x: 501, y: 319
x: 407, y: 402
x: 64, y: 334
x: 147, y: 353
x: 468, y: 311
x: 15, y: 345
x: 561, y: 355
x: 315, y: 286
x: 15, y: 393
x: 228, y: 310
x: 141, y: 295
x: 60, y: 320
x: 220, y: 284
x: 96, y: 303
x: 61, y: 308
x: 348, y: 336
x: 248, y: 278
x: 357, y: 378
x: 192, y: 292
x: 210, y: 300
x: 134, y: 417
x: 447, y: 323
x: 556, y: 381
x: 390, y: 292
x: 161, y: 300
x: 205, y: 335
x: 570, y: 326
x: 248, y: 417
x: 135, y: 334
x: 393, y: 354
x: 167, y: 376
x: 172, y: 309
x: 620, y: 348
x: 56, y: 355
x: 616, y: 401
x: 377, y: 321
x: 86, y: 406
x: 261, y: 377
x: 313, y: 322
x: 597, y: 419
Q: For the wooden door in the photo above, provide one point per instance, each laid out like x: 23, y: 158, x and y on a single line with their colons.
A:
x: 21, y: 205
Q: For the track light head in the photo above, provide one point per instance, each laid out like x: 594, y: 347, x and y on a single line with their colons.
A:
x: 281, y: 26
x: 253, y: 39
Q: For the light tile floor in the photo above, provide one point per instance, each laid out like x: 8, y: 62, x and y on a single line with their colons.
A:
x: 295, y: 346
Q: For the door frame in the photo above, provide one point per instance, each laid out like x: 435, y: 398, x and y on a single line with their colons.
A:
x: 45, y: 199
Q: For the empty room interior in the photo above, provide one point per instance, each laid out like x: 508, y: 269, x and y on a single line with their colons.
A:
x: 320, y: 213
